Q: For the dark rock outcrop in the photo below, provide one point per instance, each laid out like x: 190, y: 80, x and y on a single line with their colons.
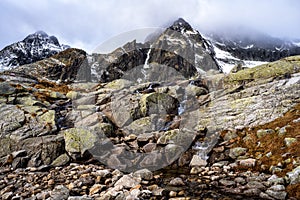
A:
x: 66, y: 66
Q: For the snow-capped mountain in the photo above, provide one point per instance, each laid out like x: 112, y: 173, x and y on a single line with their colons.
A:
x: 190, y: 44
x: 250, y: 49
x: 34, y: 47
x: 179, y: 46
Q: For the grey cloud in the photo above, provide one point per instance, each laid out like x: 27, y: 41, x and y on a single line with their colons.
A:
x: 86, y: 24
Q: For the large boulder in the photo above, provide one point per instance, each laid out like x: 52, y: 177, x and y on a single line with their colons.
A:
x: 78, y: 141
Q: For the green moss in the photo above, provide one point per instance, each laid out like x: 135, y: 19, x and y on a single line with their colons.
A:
x: 168, y: 137
x: 139, y: 126
x: 278, y: 68
x: 79, y: 140
x: 48, y: 118
x: 118, y: 84
x: 158, y: 102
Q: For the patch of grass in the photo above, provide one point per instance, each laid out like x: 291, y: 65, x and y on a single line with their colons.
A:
x: 43, y: 84
x: 273, y: 143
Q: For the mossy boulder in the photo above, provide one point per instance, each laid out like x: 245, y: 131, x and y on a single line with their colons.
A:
x: 48, y: 119
x: 61, y: 160
x: 139, y: 126
x: 195, y: 90
x: 263, y: 132
x: 158, y: 103
x: 57, y: 95
x: 78, y: 141
x: 72, y: 95
x: 237, y: 151
x: 283, y: 67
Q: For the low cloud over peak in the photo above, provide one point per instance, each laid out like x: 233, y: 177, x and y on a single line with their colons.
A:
x: 87, y: 24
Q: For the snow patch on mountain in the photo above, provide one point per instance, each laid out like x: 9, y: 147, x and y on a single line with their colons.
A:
x: 296, y: 44
x: 227, y: 61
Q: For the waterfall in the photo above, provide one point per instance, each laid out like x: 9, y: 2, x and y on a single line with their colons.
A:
x: 146, y: 65
x: 145, y: 68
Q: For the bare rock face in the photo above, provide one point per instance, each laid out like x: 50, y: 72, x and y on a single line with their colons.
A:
x: 108, y: 67
x: 180, y: 47
x: 65, y: 66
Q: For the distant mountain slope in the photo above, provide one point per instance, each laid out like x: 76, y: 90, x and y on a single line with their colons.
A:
x: 34, y: 47
x: 250, y: 48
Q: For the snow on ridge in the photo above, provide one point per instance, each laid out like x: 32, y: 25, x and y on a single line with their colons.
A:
x: 221, y: 54
x: 248, y: 46
x: 296, y: 44
x: 228, y: 61
x: 252, y: 63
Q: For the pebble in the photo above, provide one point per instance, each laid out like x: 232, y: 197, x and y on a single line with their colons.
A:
x: 173, y: 194
x: 145, y: 174
x: 197, y: 161
x: 96, y: 188
x: 250, y: 162
x: 177, y: 182
x: 127, y: 182
x: 227, y: 182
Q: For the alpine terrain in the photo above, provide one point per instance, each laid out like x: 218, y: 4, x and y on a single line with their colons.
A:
x: 182, y: 115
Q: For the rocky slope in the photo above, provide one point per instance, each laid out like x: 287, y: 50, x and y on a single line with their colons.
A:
x: 34, y: 47
x: 46, y: 125
x: 150, y: 130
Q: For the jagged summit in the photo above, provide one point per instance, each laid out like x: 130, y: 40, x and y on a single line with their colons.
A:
x: 41, y: 36
x: 34, y: 47
x: 181, y: 25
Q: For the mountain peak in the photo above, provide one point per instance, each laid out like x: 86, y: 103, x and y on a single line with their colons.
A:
x: 41, y: 33
x: 41, y: 36
x: 181, y: 25
x: 34, y: 47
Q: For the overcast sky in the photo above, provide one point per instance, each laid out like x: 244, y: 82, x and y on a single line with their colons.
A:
x: 88, y: 23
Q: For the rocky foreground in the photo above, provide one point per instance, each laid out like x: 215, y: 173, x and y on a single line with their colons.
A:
x: 236, y: 136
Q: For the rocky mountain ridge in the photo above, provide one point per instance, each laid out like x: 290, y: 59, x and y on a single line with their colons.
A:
x: 223, y: 52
